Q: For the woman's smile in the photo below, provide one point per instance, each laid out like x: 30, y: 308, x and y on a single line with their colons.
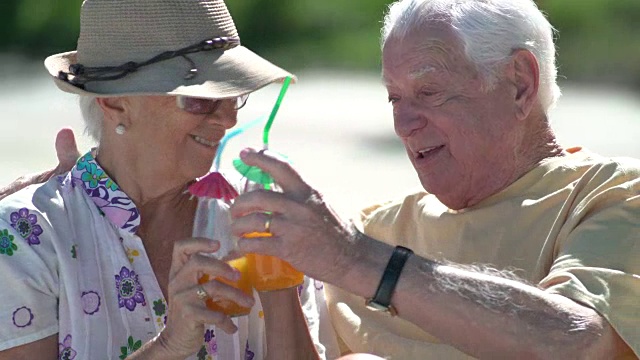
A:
x: 205, y: 142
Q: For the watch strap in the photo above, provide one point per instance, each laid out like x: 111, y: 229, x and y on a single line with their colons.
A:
x: 382, y: 298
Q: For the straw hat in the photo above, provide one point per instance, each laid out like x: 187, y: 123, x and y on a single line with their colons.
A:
x: 160, y: 47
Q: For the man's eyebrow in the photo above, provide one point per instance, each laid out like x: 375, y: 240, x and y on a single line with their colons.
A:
x: 415, y: 74
x: 438, y: 53
x: 420, y: 72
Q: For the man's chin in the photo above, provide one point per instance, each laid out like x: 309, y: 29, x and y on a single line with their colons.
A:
x: 438, y: 186
x: 432, y: 184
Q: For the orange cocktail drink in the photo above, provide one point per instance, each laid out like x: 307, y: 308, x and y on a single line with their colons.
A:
x: 270, y: 273
x: 229, y: 307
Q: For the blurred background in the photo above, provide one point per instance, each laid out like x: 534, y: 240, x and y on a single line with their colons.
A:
x: 335, y: 124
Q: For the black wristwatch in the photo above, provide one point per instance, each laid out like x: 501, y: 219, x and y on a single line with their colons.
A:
x: 381, y: 301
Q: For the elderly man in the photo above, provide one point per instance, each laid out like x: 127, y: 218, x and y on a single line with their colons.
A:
x: 516, y: 248
x: 521, y: 248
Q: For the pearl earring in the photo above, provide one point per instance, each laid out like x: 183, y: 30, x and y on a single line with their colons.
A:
x: 120, y: 129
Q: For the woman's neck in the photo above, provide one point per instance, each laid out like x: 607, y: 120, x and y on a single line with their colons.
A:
x: 159, y: 197
x: 143, y: 181
x: 167, y: 218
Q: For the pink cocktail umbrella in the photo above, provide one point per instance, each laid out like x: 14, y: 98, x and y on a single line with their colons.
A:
x: 214, y: 184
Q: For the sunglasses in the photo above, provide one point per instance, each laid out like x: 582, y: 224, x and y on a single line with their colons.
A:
x: 200, y: 106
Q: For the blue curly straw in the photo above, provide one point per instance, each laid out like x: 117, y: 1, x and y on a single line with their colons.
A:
x: 233, y: 133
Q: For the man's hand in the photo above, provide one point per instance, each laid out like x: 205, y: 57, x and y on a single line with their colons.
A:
x: 302, y: 225
x: 67, y: 152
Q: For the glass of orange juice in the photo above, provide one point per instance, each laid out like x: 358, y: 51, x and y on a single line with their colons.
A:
x: 270, y: 273
x: 213, y: 221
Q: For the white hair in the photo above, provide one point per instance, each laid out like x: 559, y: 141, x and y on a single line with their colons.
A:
x: 92, y: 115
x: 490, y: 30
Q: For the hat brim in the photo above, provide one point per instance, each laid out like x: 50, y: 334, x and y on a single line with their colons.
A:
x: 221, y: 74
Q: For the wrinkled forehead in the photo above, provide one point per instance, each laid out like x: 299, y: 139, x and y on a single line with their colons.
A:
x: 427, y: 50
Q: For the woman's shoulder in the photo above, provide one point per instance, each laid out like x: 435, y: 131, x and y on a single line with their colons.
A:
x: 43, y: 198
x: 44, y: 193
x: 27, y: 237
x: 40, y: 208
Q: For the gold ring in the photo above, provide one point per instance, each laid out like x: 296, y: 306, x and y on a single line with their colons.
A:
x: 267, y: 224
x: 202, y: 295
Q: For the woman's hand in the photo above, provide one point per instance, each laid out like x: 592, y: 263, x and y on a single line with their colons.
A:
x: 188, y: 314
x: 306, y: 231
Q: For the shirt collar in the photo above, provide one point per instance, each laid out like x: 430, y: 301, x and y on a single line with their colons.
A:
x: 111, y: 201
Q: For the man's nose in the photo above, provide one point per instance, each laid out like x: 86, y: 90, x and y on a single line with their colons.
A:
x: 407, y: 119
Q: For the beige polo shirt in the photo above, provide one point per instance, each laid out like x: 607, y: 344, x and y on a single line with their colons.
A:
x: 571, y: 226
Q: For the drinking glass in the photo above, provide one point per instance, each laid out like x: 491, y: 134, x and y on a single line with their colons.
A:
x: 270, y: 273
x: 213, y: 221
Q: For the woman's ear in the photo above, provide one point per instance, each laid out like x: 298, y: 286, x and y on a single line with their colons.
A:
x: 526, y: 78
x: 114, y: 110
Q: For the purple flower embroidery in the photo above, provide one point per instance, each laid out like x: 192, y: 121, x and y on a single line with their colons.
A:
x: 90, y: 302
x: 26, y: 225
x: 248, y: 354
x: 129, y: 289
x: 22, y: 317
x: 208, y: 335
x: 65, y: 352
x: 211, y: 342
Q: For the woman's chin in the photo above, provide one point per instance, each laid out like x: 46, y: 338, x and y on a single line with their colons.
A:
x: 199, y: 170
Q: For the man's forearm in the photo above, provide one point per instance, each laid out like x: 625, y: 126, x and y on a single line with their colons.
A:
x: 479, y: 312
x: 24, y: 181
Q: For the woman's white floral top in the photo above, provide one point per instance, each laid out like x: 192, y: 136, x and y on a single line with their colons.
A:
x: 72, y: 265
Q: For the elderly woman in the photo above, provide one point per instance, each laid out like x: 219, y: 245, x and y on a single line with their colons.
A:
x: 100, y: 262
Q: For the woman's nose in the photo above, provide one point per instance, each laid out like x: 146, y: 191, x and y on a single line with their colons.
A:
x: 226, y: 115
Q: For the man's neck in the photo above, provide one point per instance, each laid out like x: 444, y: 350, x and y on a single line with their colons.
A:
x: 537, y: 144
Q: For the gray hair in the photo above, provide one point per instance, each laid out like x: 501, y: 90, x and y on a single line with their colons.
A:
x: 490, y: 30
x: 92, y: 115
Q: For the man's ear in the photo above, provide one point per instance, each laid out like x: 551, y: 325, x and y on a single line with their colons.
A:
x: 526, y: 78
x: 114, y: 110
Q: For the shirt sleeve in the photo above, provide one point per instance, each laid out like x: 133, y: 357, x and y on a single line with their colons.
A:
x: 598, y: 259
x: 29, y: 280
